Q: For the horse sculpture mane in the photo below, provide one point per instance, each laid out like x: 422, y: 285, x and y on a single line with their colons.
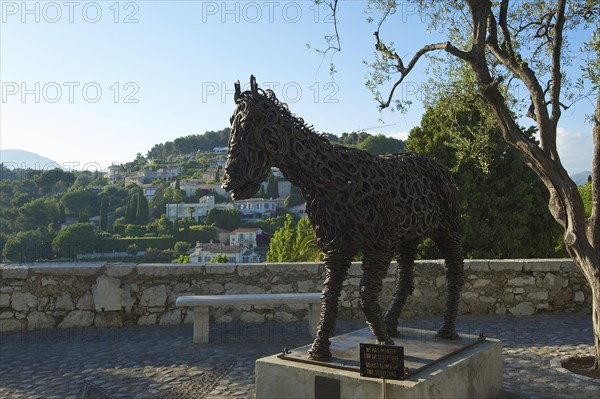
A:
x: 383, y: 206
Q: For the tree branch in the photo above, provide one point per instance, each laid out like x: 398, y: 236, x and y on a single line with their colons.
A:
x: 556, y: 73
x: 593, y: 223
x: 479, y: 13
x: 335, y: 38
x: 404, y: 71
x: 507, y: 44
x: 537, y: 110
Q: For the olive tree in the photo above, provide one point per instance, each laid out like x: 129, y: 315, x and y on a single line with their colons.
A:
x: 507, y: 43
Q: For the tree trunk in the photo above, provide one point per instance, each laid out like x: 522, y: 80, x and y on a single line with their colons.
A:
x: 582, y: 236
x: 596, y: 322
x: 565, y: 204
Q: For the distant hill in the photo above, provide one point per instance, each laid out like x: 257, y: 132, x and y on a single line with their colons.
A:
x: 581, y: 178
x: 26, y: 160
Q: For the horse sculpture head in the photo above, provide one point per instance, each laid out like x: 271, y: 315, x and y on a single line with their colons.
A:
x: 251, y: 143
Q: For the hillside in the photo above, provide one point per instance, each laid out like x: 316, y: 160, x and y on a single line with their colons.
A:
x: 581, y: 178
x: 27, y: 160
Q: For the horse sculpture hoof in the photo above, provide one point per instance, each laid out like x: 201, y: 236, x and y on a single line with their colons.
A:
x: 393, y: 332
x: 447, y: 334
x: 320, y: 355
x: 392, y: 329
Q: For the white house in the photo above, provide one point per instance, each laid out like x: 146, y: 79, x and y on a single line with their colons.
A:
x: 244, y: 236
x: 165, y: 174
x: 256, y: 208
x: 196, y: 211
x: 149, y: 191
x: 205, y: 253
x: 191, y: 185
x: 299, y: 210
x: 217, y: 163
x: 114, y: 174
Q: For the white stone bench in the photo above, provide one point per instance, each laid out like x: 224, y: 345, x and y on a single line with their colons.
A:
x: 201, y: 304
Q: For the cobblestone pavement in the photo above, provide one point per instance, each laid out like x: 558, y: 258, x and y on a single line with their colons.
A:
x: 161, y: 362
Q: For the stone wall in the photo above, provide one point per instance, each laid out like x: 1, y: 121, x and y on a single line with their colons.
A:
x: 72, y: 295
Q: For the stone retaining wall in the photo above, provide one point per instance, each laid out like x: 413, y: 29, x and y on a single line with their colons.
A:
x: 72, y: 295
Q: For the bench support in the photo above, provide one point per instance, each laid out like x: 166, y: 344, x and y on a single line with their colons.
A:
x: 202, y: 322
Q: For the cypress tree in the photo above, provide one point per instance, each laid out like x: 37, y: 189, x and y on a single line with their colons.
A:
x: 272, y: 188
x: 62, y: 217
x: 104, y: 212
x: 131, y: 211
x: 142, y: 214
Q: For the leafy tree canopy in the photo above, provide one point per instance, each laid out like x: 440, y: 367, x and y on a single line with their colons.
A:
x: 294, y: 242
x: 75, y: 239
x: 228, y: 219
x: 37, y: 213
x: 190, y: 144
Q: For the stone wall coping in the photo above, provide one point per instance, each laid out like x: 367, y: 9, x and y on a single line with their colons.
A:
x: 165, y: 269
x: 20, y: 270
x: 66, y: 268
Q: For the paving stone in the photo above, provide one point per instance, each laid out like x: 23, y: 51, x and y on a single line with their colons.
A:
x: 160, y: 361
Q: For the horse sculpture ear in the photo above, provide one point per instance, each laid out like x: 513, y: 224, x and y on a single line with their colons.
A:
x: 238, y: 92
x: 253, y: 85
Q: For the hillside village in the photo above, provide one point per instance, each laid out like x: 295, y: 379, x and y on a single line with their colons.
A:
x: 239, y: 245
x: 167, y: 206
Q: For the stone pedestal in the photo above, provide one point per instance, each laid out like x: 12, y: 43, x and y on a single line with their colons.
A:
x: 466, y: 368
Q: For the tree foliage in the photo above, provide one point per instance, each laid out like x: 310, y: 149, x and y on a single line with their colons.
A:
x: 131, y: 210
x: 78, y: 238
x: 220, y: 258
x: 28, y: 246
x: 524, y: 45
x: 203, y: 233
x: 39, y: 212
x: 190, y: 144
x: 228, y: 219
x: 380, y: 145
x: 104, y: 212
x: 80, y: 201
x: 282, y: 242
x: 272, y: 188
x: 294, y: 242
x: 160, y: 199
x: 142, y: 215
x: 503, y: 202
x: 295, y: 197
x: 181, y: 248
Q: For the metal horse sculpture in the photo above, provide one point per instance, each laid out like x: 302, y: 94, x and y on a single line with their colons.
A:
x: 383, y: 206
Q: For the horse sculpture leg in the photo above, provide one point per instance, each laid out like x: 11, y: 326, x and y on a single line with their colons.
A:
x: 405, y: 285
x: 375, y: 268
x: 336, y: 267
x: 451, y: 249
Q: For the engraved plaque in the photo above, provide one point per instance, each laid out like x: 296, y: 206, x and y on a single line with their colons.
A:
x: 382, y: 361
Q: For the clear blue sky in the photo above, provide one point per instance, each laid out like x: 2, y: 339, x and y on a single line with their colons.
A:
x: 114, y: 78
